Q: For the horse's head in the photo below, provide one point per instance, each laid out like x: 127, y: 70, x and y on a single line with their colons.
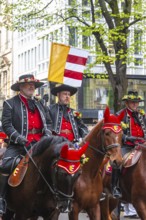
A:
x: 112, y: 134
x: 67, y: 169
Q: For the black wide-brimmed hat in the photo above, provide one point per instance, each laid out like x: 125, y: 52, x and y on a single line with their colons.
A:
x: 132, y: 96
x: 27, y: 78
x: 61, y: 87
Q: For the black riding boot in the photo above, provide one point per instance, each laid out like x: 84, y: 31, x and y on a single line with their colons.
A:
x: 116, y: 192
x: 3, y: 190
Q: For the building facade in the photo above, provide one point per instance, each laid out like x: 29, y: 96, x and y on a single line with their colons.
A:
x: 30, y: 54
x: 6, y: 66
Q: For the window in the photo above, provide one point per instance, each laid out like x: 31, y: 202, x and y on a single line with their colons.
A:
x: 72, y: 36
x: 29, y: 61
x: 85, y: 2
x: 85, y: 42
x: 0, y: 41
x: 7, y: 38
x: 138, y: 41
x: 86, y: 14
x: 138, y: 61
x: 71, y: 2
x: 97, y: 93
x: 72, y: 12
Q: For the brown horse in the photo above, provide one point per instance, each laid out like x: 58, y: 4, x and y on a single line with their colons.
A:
x: 132, y: 184
x: 46, y: 187
x: 104, y: 138
x: 109, y: 204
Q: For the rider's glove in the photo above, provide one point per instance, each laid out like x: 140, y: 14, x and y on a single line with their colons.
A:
x: 22, y: 140
x: 130, y: 138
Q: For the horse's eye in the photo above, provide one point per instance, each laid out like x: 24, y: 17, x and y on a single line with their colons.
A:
x: 107, y: 133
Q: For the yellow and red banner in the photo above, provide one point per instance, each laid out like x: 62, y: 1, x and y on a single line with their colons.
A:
x: 67, y: 64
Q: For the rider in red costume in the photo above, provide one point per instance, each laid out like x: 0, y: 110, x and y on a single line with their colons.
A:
x: 24, y: 120
x: 67, y: 122
x: 134, y: 129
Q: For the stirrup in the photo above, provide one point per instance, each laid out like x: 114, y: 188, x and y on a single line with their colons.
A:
x: 102, y: 197
x: 117, y: 193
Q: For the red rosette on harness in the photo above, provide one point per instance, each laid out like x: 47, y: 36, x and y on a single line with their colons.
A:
x: 70, y: 158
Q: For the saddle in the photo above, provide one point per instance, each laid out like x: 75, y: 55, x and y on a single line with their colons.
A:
x: 129, y: 160
x: 19, y: 172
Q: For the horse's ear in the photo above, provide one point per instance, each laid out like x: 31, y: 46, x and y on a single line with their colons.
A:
x: 106, y: 113
x: 83, y: 149
x: 121, y: 115
x: 64, y: 151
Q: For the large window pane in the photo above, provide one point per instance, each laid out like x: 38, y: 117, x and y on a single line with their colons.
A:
x: 97, y: 93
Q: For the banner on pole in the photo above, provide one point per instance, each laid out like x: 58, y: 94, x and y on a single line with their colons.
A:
x: 67, y: 64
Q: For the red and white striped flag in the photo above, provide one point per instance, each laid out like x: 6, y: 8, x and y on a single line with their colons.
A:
x: 67, y: 64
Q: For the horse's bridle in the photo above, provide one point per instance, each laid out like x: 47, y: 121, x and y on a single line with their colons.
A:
x: 111, y: 145
x: 104, y: 148
x: 95, y: 149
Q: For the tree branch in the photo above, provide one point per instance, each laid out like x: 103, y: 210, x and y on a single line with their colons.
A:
x: 92, y: 11
x: 76, y: 17
x: 134, y: 22
x: 115, y: 11
x: 127, y: 11
x: 35, y: 13
x: 106, y: 14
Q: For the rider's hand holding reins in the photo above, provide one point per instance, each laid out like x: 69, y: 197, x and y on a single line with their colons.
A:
x: 22, y: 140
x: 130, y: 138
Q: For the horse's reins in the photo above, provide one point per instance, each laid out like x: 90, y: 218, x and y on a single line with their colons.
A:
x: 95, y: 149
x: 41, y: 174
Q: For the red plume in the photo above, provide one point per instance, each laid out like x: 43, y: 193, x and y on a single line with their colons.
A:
x: 64, y: 151
x: 121, y: 115
x: 112, y: 121
x: 71, y: 153
x: 106, y: 114
x: 83, y: 149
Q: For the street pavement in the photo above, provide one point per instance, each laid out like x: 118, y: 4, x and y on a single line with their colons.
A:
x: 83, y: 216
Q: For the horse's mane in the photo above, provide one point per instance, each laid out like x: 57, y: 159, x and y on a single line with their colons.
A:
x: 47, y: 141
x: 99, y: 124
x: 96, y: 127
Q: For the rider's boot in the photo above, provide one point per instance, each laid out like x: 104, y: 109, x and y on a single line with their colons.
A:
x: 116, y: 191
x: 3, y: 190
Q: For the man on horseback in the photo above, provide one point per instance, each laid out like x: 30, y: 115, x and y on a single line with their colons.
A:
x: 25, y: 121
x: 66, y: 121
x: 134, y: 129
